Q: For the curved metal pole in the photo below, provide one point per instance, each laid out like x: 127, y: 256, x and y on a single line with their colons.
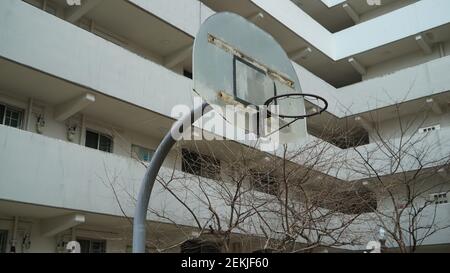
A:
x: 140, y: 214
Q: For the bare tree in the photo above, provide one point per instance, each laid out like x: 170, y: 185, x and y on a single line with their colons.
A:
x: 307, y: 196
x: 404, y: 171
x: 238, y: 195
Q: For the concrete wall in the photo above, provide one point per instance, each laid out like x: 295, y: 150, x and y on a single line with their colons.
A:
x: 122, y: 139
x: 116, y: 241
x: 432, y: 147
x: 379, y: 31
x: 103, y: 66
x: 94, y: 62
x: 65, y: 175
x: 411, y: 123
x: 87, y: 60
x: 39, y: 244
x: 383, y: 9
x: 69, y: 176
x: 391, y: 27
x: 411, y: 83
x: 186, y: 15
x: 369, y: 226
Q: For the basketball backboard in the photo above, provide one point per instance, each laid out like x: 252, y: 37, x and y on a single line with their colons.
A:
x: 238, y: 65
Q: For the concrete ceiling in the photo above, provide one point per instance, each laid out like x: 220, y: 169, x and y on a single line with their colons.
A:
x: 124, y: 19
x: 52, y: 91
x: 321, y: 13
x: 136, y: 29
x: 24, y: 82
x: 158, y: 232
x: 402, y: 47
x: 413, y: 107
x: 126, y: 116
x: 137, y: 26
x: 335, y: 18
x: 48, y: 89
x: 338, y: 73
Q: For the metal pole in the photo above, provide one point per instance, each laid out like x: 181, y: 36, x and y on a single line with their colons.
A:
x: 140, y: 214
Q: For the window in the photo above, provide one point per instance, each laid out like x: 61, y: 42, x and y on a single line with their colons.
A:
x: 99, y: 141
x: 11, y: 116
x: 3, y: 240
x: 264, y: 182
x: 187, y: 74
x: 439, y: 198
x: 201, y: 165
x: 359, y: 201
x: 141, y: 153
x: 92, y: 246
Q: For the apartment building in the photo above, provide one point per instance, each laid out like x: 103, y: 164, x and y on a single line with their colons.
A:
x: 86, y: 93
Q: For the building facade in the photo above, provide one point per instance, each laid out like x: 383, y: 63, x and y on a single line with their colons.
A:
x: 87, y: 91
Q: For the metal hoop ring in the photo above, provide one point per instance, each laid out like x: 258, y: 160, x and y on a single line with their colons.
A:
x: 271, y: 100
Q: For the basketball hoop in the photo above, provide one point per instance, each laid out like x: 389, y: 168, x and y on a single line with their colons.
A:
x: 308, y: 97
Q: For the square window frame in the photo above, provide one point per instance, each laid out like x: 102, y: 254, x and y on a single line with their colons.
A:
x: 21, y: 112
x: 98, y: 141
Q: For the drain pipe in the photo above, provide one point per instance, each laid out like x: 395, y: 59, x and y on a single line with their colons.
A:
x: 441, y: 50
x: 14, y: 235
x: 73, y: 235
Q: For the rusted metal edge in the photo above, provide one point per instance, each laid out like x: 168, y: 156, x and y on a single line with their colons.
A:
x: 230, y: 49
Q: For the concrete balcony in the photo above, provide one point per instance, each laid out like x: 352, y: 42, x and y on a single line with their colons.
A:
x: 44, y: 171
x: 412, y: 83
x: 48, y: 172
x: 77, y: 56
x: 435, y: 217
x: 185, y: 16
x: 383, y: 30
x: 45, y: 43
x: 368, y: 35
x: 53, y: 173
x: 431, y: 146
